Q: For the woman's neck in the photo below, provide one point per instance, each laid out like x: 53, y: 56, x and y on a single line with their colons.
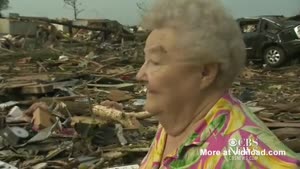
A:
x: 188, y: 116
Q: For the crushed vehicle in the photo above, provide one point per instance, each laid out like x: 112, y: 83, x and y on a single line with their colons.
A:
x: 296, y: 18
x: 271, y: 39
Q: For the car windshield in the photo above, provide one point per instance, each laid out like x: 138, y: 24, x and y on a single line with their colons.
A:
x: 282, y: 21
x: 277, y: 21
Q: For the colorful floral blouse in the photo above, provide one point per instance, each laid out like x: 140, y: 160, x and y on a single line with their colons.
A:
x: 231, y: 137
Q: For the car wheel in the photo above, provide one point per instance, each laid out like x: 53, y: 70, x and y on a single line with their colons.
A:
x: 274, y: 56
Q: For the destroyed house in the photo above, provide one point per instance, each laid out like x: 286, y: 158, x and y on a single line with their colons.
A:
x: 18, y: 27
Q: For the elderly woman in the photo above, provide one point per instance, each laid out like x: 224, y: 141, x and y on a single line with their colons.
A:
x: 192, y: 56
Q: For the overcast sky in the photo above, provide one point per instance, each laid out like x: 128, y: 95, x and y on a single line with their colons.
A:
x: 126, y: 11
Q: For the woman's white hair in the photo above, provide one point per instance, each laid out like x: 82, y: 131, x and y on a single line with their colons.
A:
x: 207, y: 32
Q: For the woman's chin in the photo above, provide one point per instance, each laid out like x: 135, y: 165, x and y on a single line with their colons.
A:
x: 152, y: 107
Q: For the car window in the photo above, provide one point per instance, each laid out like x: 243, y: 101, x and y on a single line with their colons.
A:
x: 271, y: 28
x: 249, y: 27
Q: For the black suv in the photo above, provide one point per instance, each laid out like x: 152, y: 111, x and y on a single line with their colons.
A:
x: 272, y: 39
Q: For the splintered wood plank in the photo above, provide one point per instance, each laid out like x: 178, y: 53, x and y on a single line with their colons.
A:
x: 41, y: 77
x: 270, y: 125
x: 37, y: 89
x: 284, y: 133
x: 16, y: 85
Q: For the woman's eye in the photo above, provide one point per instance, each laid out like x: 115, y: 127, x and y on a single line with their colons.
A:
x: 154, y: 62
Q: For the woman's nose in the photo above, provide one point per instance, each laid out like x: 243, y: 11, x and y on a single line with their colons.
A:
x: 141, y: 75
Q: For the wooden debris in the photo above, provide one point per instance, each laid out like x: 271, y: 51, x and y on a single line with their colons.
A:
x: 37, y: 89
x: 284, y: 133
x: 115, y: 115
x: 125, y: 86
x: 16, y: 85
x: 120, y: 134
x: 118, y: 95
x: 41, y: 119
x: 277, y: 124
x: 88, y: 120
x: 97, y: 67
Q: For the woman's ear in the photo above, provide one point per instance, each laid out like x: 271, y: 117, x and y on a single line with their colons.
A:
x: 209, y: 74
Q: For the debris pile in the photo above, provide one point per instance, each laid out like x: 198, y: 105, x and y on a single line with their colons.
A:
x: 274, y: 96
x: 77, y: 103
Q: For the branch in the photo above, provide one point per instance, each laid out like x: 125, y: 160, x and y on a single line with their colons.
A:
x: 79, y: 11
x: 140, y: 6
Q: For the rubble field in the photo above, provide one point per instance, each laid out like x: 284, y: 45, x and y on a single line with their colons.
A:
x: 73, y: 101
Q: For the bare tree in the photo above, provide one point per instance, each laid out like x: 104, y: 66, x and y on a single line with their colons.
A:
x: 75, y: 5
x: 141, y: 6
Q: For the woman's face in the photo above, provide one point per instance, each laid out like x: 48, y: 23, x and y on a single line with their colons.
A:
x: 171, y: 79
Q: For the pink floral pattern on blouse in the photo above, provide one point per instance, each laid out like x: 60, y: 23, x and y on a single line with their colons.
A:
x: 228, y: 129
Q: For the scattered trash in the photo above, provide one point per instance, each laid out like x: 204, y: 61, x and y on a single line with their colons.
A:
x: 15, y: 112
x: 118, y: 96
x: 43, y: 134
x: 139, y: 102
x: 16, y: 115
x: 13, y: 135
x: 84, y: 108
x: 91, y: 56
x: 40, y: 166
x: 126, y: 167
x: 37, y: 89
x: 4, y: 165
x: 277, y: 87
x: 8, y: 104
x: 120, y: 135
x: 41, y: 119
x: 63, y: 58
